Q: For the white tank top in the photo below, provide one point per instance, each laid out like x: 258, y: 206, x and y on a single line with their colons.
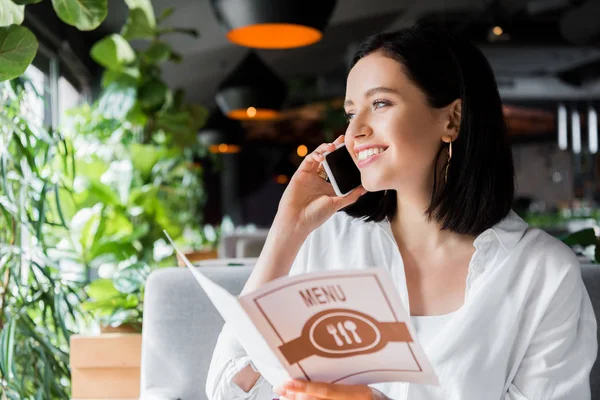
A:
x: 428, y: 326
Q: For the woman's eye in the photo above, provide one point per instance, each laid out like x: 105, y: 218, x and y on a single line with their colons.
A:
x: 380, y: 103
x: 349, y: 116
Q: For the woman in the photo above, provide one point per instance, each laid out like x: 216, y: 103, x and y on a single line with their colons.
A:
x: 500, y: 308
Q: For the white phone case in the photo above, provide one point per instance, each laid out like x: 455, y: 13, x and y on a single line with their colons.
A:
x: 336, y: 188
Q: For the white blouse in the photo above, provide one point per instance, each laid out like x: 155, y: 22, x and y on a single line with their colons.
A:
x: 525, y: 331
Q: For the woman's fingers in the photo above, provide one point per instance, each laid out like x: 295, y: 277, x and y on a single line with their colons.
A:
x: 301, y: 390
x: 339, y: 140
x: 342, y: 202
x: 314, y: 159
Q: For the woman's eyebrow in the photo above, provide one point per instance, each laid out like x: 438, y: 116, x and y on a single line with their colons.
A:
x: 372, y: 91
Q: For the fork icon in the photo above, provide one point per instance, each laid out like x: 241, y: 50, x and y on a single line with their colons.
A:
x: 333, y: 332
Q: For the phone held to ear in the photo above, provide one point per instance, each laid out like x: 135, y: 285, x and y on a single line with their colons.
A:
x: 343, y: 174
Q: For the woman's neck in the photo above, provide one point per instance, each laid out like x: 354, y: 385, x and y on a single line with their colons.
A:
x: 413, y: 230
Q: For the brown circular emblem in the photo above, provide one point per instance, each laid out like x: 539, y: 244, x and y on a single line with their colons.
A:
x: 338, y: 333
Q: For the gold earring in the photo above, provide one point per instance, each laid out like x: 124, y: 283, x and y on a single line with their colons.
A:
x: 448, y: 162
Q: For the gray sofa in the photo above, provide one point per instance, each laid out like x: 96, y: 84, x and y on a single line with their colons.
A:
x: 181, y: 328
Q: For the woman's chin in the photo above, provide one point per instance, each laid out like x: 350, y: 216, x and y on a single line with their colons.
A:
x: 373, y: 186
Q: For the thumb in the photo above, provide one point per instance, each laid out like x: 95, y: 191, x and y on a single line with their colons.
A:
x: 342, y: 202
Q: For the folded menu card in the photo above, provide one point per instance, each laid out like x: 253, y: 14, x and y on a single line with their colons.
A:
x: 346, y: 326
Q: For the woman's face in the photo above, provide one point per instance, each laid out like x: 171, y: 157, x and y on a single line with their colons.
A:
x: 393, y: 134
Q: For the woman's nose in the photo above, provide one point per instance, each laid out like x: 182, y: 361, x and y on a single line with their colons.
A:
x: 357, y: 129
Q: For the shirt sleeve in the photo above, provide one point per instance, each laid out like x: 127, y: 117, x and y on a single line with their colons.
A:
x: 229, y: 357
x: 559, y: 358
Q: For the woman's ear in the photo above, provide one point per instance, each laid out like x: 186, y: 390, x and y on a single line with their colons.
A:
x: 454, y: 115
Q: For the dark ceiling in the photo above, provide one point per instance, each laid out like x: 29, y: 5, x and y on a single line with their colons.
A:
x: 550, y: 48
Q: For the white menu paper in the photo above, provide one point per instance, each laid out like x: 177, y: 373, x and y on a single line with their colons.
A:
x: 345, y: 326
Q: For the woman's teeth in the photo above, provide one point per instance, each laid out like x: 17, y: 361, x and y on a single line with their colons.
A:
x: 363, y: 155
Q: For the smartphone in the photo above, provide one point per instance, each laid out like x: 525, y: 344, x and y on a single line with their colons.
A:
x: 343, y: 174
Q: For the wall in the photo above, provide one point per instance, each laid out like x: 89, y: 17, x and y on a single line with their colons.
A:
x: 543, y: 172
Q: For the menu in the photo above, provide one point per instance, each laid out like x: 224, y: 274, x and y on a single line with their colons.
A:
x: 344, y: 326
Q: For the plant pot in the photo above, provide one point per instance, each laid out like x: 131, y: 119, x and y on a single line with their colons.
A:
x: 125, y: 328
x: 198, y: 256
x: 106, y: 366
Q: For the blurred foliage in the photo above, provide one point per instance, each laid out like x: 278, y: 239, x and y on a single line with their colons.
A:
x: 92, y: 198
x: 39, y: 302
x: 136, y: 169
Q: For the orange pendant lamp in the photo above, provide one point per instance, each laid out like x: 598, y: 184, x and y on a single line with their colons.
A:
x: 273, y: 24
x: 251, y: 91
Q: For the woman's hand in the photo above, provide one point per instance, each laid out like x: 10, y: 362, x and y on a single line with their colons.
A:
x: 309, y: 200
x: 301, y: 390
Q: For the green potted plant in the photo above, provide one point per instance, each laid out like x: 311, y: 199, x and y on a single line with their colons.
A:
x: 39, y: 304
x: 135, y: 146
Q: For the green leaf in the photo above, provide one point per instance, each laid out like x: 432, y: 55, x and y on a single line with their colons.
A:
x: 113, y: 52
x: 183, y: 125
x: 109, y: 305
x: 146, y: 7
x: 118, y: 98
x: 85, y: 15
x: 158, y: 52
x: 102, y: 289
x: 198, y: 116
x: 112, y: 252
x: 26, y: 2
x: 101, y: 193
x: 137, y: 26
x: 91, y: 169
x: 122, y: 317
x: 7, y: 346
x: 185, y: 31
x: 166, y: 14
x: 11, y: 13
x: 176, y: 57
x: 152, y: 95
x: 18, y: 47
x: 144, y: 157
x: 132, y: 278
x: 585, y: 237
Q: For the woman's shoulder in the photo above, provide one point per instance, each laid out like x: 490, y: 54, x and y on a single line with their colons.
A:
x: 530, y: 244
x: 544, y: 244
x: 550, y: 255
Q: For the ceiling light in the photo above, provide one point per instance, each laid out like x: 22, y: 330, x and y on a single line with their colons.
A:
x: 592, y: 123
x: 302, y: 150
x: 562, y: 127
x: 251, y: 91
x: 267, y: 24
x: 282, y: 179
x: 576, y: 131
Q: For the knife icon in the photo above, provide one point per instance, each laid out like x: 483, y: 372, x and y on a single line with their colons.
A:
x: 343, y: 332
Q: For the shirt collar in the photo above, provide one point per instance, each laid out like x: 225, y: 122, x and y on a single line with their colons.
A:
x: 509, y: 231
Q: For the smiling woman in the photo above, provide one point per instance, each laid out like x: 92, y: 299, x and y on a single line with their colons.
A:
x: 500, y: 308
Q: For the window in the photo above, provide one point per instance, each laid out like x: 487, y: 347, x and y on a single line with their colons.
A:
x: 53, y: 88
x: 68, y: 97
x: 34, y: 107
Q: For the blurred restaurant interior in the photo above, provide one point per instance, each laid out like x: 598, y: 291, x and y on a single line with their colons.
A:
x: 545, y: 55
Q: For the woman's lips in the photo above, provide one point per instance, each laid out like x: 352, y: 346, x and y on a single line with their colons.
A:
x: 370, y: 160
